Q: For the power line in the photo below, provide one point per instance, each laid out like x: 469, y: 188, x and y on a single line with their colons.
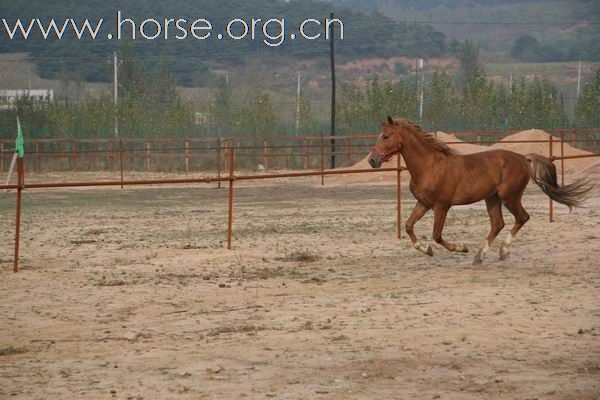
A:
x: 464, y: 22
x: 553, y: 23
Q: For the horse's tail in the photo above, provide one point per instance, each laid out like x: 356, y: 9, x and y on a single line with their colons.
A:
x: 543, y: 173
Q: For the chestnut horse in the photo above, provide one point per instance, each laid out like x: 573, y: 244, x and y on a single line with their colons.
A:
x: 442, y: 178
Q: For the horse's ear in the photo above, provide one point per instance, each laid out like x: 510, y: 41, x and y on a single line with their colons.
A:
x: 390, y: 120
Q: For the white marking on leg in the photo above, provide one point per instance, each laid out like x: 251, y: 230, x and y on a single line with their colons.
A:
x: 481, y: 252
x: 461, y: 247
x: 422, y: 248
x: 485, y: 247
x: 504, y: 249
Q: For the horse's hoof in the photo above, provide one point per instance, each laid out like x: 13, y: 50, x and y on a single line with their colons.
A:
x: 504, y: 255
x: 464, y: 248
x: 478, y: 260
x: 429, y: 251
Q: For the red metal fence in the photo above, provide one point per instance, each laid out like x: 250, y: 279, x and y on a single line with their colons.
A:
x: 228, y: 151
x: 189, y: 154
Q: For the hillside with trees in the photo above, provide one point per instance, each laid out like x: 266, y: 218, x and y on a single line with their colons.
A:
x: 243, y: 90
x: 527, y: 30
x: 366, y: 35
x: 151, y: 106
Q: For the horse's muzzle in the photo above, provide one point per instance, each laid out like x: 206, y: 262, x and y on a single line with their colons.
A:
x: 375, y: 160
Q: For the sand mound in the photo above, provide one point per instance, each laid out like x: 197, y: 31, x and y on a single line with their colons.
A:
x: 455, y: 143
x: 592, y: 169
x: 543, y: 148
x: 459, y: 145
x: 381, y: 176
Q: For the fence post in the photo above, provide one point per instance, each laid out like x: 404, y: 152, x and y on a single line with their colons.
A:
x: 187, y: 157
x: 288, y: 160
x: 20, y: 183
x: 1, y: 158
x: 219, y: 162
x: 562, y: 155
x: 148, y: 152
x: 227, y: 148
x: 67, y: 154
x: 74, y: 155
x: 266, y: 154
x: 349, y: 150
x: 121, y: 160
x: 230, y: 209
x: 37, y: 157
x: 306, y: 155
x: 111, y: 156
x: 322, y: 161
x: 399, y: 197
x: 550, y: 204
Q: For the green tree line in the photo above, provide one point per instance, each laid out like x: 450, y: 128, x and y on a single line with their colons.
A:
x: 365, y: 35
x: 150, y: 106
x: 467, y: 101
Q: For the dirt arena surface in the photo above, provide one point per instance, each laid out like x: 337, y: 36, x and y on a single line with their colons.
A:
x: 131, y: 294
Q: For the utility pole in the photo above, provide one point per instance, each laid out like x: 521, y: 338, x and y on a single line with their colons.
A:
x: 417, y: 85
x: 578, y: 80
x: 116, y: 63
x: 510, y: 92
x: 562, y: 111
x: 422, y: 92
x: 298, y: 105
x: 331, y: 54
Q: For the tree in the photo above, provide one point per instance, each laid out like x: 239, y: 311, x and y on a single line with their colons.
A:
x: 132, y: 74
x: 221, y: 110
x: 352, y: 109
x: 478, y: 107
x: 526, y: 48
x: 471, y: 68
x: 440, y: 101
x: 587, y: 110
x: 264, y: 115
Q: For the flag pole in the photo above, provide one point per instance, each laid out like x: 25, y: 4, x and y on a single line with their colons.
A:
x: 13, y: 162
x: 19, y: 153
x: 20, y: 176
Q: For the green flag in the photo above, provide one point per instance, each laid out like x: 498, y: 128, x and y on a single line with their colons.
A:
x: 19, y: 142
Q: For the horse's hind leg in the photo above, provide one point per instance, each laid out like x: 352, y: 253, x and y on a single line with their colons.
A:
x: 438, y: 225
x: 418, y: 212
x: 513, y: 204
x: 494, y: 208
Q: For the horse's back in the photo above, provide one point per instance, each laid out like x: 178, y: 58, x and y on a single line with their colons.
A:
x: 497, y: 155
x: 480, y: 175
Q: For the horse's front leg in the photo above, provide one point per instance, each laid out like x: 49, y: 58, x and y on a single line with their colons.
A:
x: 418, y: 212
x: 440, y: 213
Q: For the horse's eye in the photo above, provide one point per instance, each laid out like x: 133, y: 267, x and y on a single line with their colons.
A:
x: 385, y: 137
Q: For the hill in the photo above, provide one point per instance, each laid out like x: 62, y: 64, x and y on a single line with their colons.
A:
x: 366, y: 35
x: 562, y: 30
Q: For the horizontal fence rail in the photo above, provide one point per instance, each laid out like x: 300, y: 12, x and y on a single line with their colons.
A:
x: 189, y: 154
x: 226, y: 153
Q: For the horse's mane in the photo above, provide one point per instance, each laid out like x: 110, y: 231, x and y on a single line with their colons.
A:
x: 428, y: 137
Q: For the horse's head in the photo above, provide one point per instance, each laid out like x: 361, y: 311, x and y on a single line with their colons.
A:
x: 388, y: 143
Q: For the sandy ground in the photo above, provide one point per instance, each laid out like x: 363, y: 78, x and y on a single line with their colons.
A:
x: 131, y: 294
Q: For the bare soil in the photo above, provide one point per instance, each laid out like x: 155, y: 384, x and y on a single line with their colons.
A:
x: 131, y: 294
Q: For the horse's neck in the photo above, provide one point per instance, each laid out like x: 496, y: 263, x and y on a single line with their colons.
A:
x: 418, y: 155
